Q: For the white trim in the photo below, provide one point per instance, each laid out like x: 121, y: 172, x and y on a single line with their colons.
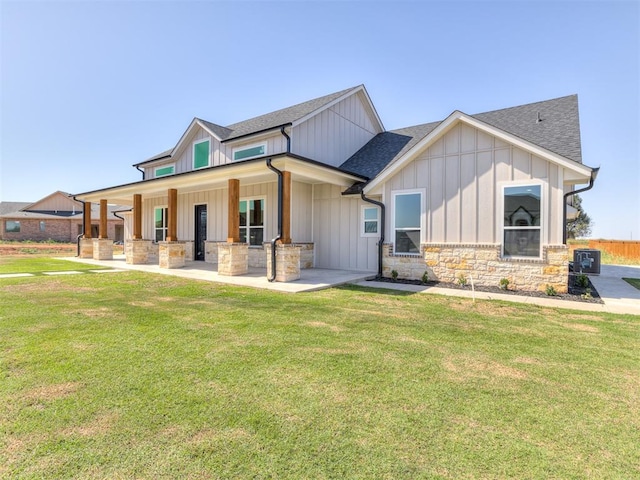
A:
x: 544, y: 204
x: 193, y: 153
x: 263, y: 198
x: 248, y: 147
x: 363, y: 220
x: 167, y: 165
x: 457, y: 117
x: 153, y: 222
x: 423, y: 214
x: 187, y: 132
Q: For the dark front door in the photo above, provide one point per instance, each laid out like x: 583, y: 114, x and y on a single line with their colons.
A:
x: 201, y: 231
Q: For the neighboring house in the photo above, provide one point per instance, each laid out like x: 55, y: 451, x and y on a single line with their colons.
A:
x: 56, y: 217
x: 476, y: 196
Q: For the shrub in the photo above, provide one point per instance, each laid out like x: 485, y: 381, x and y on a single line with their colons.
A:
x: 504, y: 284
x: 394, y: 275
x: 551, y: 291
x: 582, y: 281
x: 462, y: 280
x: 425, y: 277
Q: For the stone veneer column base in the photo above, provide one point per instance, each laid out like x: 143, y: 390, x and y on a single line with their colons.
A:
x: 287, y: 262
x: 233, y: 258
x: 171, y: 254
x: 136, y: 252
x: 102, y: 249
x: 86, y: 248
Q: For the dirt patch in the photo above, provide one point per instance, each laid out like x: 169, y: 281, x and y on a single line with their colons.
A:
x: 99, y: 426
x: 333, y: 328
x: 52, y: 392
x: 463, y: 368
x: 577, y: 326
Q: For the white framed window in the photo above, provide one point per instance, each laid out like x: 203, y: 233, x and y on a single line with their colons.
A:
x: 160, y: 219
x: 408, y: 214
x: 248, y: 152
x: 522, y: 207
x: 12, y: 226
x: 163, y: 170
x: 252, y: 220
x: 201, y: 153
x: 370, y: 224
x: 43, y: 226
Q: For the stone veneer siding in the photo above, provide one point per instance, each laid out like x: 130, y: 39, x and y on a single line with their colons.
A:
x: 257, y: 257
x: 447, y: 262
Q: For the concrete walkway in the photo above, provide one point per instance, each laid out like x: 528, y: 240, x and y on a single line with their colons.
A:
x: 618, y: 295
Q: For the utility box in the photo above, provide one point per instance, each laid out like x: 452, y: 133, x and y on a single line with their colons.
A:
x: 586, y: 260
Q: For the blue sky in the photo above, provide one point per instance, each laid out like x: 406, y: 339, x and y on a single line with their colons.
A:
x: 89, y: 88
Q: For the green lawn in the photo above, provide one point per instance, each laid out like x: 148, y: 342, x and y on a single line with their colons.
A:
x: 133, y: 375
x: 635, y: 282
x: 38, y: 264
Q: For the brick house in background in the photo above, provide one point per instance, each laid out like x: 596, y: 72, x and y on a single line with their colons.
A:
x: 56, y: 217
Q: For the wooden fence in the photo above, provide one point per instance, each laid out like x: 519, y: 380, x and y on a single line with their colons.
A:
x: 621, y: 248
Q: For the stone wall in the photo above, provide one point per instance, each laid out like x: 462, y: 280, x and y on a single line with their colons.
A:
x: 257, y: 257
x: 448, y: 262
x: 211, y: 251
x: 287, y: 262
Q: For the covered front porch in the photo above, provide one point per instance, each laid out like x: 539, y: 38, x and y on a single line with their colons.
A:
x: 310, y: 279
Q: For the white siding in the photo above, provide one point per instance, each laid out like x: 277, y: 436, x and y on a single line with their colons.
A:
x: 462, y: 173
x: 336, y: 232
x: 336, y: 133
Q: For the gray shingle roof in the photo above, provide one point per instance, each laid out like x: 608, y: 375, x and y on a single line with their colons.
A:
x: 10, y: 207
x: 558, y: 131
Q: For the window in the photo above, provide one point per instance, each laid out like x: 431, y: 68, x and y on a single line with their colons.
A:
x: 522, y: 215
x: 201, y: 154
x: 407, y: 214
x: 253, y: 151
x: 42, y: 226
x: 160, y: 224
x: 252, y: 221
x: 164, y: 170
x: 370, y: 221
x: 12, y: 226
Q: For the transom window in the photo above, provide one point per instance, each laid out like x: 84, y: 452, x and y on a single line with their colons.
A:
x: 201, y: 154
x: 161, y: 214
x: 248, y: 152
x: 252, y: 221
x: 407, y: 219
x: 522, y: 220
x: 370, y: 221
x: 164, y: 170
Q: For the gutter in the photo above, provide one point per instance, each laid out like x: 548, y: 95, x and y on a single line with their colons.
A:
x: 381, y: 241
x: 264, y: 130
x: 140, y: 170
x: 594, y: 174
x: 272, y: 275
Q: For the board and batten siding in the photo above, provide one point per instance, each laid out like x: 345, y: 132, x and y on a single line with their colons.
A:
x: 336, y: 232
x: 217, y: 211
x: 336, y: 133
x: 463, y: 172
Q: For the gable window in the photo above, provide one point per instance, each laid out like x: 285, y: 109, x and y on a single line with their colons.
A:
x: 252, y: 221
x: 12, y: 226
x: 522, y: 207
x: 407, y: 222
x: 247, y: 153
x: 161, y: 215
x: 164, y: 170
x: 370, y: 221
x: 201, y: 154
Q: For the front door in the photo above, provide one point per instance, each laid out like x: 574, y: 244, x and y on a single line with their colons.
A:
x: 201, y: 231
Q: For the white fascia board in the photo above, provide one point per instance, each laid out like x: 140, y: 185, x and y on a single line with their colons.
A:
x: 186, y: 133
x: 353, y: 91
x: 313, y: 173
x: 581, y: 171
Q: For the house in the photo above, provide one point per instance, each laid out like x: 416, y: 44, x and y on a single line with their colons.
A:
x: 55, y: 217
x: 477, y: 196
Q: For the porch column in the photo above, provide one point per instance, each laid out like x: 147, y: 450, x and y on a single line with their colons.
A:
x: 137, y: 216
x: 87, y: 219
x: 172, y: 221
x: 233, y: 225
x: 86, y: 243
x: 103, y: 220
x: 286, y: 208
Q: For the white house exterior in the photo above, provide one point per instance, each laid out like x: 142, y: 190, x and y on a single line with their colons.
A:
x: 478, y: 196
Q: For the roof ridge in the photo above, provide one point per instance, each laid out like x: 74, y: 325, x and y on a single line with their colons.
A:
x: 526, y: 104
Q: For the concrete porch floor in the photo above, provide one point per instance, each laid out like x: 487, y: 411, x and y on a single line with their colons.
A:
x: 310, y: 279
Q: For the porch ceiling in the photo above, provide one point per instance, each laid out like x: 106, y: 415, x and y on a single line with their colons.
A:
x: 249, y: 172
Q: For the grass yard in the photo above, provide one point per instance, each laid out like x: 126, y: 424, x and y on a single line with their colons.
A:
x: 133, y: 375
x: 634, y: 282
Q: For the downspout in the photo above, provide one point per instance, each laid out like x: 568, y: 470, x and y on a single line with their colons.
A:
x: 594, y: 174
x: 83, y: 222
x: 272, y: 275
x: 140, y: 170
x: 115, y: 214
x: 381, y: 241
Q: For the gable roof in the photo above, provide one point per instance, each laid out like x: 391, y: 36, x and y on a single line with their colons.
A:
x: 269, y: 121
x: 558, y: 131
x: 11, y: 207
